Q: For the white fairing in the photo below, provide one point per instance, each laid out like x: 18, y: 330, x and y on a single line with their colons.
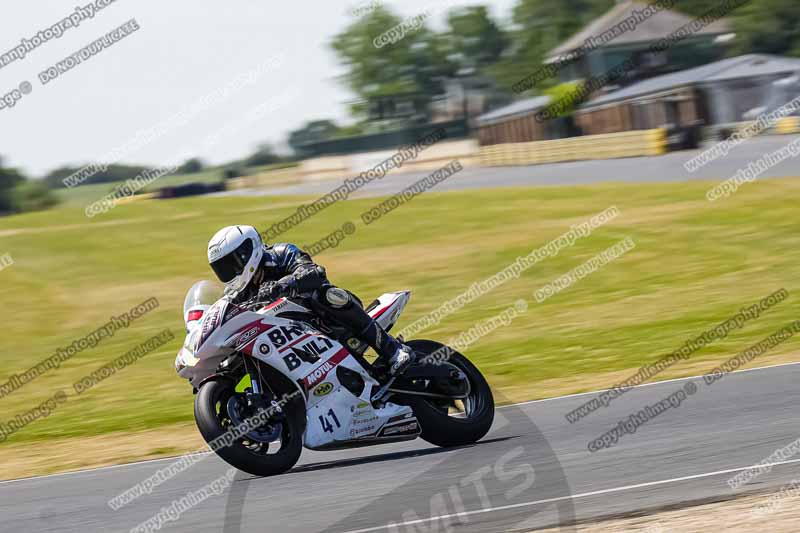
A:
x: 311, y: 360
x: 282, y: 305
x: 389, y: 307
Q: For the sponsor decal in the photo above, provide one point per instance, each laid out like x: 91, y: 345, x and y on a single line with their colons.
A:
x: 353, y: 343
x: 407, y: 428
x: 399, y: 418
x: 210, y: 321
x: 245, y: 338
x: 320, y: 373
x: 308, y: 352
x: 283, y: 335
x: 317, y: 375
x: 361, y: 409
x: 323, y: 389
x: 362, y: 421
x: 232, y: 312
x: 277, y: 306
x: 366, y: 430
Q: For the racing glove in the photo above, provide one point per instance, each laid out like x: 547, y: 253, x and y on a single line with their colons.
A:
x: 286, y: 286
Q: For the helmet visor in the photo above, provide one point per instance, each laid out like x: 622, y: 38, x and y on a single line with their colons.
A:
x: 228, y: 267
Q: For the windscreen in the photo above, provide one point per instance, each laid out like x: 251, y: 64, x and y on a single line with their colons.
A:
x: 202, y: 293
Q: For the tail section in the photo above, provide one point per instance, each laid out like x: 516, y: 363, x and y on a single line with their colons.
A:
x: 387, y: 308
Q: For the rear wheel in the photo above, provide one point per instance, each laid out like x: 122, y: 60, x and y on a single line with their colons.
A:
x: 271, y: 448
x: 450, y: 422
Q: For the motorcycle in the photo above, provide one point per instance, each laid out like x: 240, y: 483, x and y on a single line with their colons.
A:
x: 271, y: 380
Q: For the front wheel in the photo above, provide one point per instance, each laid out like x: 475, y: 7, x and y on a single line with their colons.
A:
x: 448, y: 422
x: 267, y: 450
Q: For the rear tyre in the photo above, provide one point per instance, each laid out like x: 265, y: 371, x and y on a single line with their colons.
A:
x: 249, y: 453
x: 454, y: 423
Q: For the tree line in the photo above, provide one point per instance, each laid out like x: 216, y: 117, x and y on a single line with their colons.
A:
x: 475, y: 44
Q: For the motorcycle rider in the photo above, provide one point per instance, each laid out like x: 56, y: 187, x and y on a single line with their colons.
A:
x: 254, y: 272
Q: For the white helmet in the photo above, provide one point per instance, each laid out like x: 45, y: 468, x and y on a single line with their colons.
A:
x: 234, y: 254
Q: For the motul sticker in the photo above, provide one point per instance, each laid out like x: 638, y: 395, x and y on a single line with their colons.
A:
x: 318, y: 376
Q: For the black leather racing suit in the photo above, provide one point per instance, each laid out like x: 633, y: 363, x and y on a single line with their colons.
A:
x: 291, y: 269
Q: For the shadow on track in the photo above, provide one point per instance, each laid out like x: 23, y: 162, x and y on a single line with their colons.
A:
x: 394, y: 456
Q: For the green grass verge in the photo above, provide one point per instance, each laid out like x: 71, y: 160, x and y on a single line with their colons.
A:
x: 694, y: 265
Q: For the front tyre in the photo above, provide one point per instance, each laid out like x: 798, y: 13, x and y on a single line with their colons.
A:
x: 454, y: 422
x: 266, y: 451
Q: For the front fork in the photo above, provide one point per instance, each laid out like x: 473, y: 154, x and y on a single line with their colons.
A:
x: 257, y: 398
x: 254, y: 395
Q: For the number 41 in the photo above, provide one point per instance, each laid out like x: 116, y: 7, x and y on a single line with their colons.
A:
x: 326, y: 425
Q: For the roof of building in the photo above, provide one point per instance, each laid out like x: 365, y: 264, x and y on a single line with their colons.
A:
x: 745, y: 66
x: 651, y: 29
x: 519, y: 108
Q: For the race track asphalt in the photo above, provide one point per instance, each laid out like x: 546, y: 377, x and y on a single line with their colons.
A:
x: 533, y: 469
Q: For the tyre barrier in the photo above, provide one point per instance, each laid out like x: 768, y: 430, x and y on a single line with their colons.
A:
x: 606, y: 146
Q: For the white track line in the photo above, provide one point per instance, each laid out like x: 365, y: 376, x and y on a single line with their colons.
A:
x: 150, y: 461
x: 647, y: 384
x: 563, y: 498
